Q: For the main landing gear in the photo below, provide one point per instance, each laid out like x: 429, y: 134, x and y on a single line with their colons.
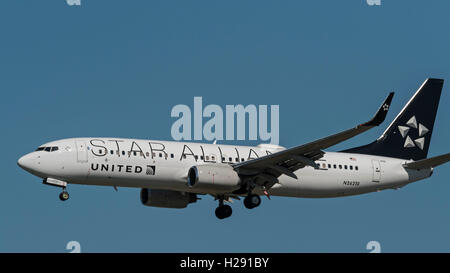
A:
x: 251, y: 201
x: 64, y: 195
x: 223, y: 211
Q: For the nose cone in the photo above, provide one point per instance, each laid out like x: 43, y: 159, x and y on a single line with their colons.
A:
x: 26, y: 162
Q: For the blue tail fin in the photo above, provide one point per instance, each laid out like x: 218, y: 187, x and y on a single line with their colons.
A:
x: 409, y: 135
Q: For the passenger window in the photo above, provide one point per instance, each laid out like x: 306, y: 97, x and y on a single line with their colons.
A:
x: 171, y: 155
x: 196, y: 157
x: 147, y: 154
x: 112, y: 152
x: 237, y: 159
x: 242, y: 159
x: 334, y: 166
x: 329, y: 166
x: 324, y: 165
x: 206, y: 157
x: 213, y: 158
x: 123, y: 152
x: 230, y: 159
x: 223, y: 158
x: 184, y: 156
x: 345, y: 167
x: 201, y: 157
x: 160, y: 154
x: 351, y: 167
x: 340, y: 166
x: 100, y: 152
x: 134, y: 153
x: 356, y: 168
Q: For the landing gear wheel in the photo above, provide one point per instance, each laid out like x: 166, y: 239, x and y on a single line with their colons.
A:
x: 251, y: 201
x: 64, y: 196
x: 223, y: 211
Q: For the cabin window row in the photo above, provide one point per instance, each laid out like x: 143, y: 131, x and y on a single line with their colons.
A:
x: 136, y: 153
x: 161, y: 155
x: 213, y: 158
x: 339, y: 166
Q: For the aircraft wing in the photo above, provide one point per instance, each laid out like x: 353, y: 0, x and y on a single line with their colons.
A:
x: 271, y: 166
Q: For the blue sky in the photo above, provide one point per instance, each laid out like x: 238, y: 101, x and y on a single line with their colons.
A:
x: 116, y: 68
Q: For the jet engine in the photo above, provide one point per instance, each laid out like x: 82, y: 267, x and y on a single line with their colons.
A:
x: 213, y: 178
x: 167, y: 198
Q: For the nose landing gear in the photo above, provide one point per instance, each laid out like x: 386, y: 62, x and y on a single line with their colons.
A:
x: 64, y: 195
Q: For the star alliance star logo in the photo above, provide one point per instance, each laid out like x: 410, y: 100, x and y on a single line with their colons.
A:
x: 385, y: 107
x: 412, y: 123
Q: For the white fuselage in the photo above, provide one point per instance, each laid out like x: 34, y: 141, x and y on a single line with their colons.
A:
x: 165, y: 164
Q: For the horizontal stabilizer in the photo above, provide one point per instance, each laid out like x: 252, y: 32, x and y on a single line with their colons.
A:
x: 429, y: 162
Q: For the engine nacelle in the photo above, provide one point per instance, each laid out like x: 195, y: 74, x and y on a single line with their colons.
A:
x: 213, y: 178
x: 166, y: 198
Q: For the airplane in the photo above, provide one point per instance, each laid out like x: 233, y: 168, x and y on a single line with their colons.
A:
x: 172, y: 174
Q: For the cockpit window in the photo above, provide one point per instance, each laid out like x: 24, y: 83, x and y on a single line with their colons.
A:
x: 40, y: 149
x: 48, y: 149
x: 54, y: 149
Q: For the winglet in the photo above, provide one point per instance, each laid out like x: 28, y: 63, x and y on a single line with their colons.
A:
x: 381, y: 113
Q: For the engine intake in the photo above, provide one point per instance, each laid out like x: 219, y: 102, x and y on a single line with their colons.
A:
x: 213, y: 178
x: 167, y: 198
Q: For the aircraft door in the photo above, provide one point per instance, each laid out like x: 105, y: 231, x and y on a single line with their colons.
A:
x: 82, y: 156
x: 376, y: 171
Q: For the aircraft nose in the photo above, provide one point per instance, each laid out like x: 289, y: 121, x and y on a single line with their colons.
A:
x: 26, y: 162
